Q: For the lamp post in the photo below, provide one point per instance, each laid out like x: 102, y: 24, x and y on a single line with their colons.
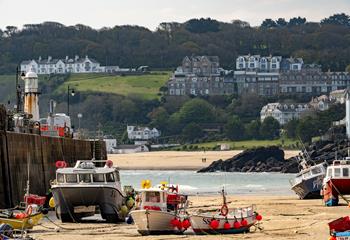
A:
x: 70, y: 91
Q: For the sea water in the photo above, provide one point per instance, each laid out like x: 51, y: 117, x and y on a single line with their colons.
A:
x: 194, y: 183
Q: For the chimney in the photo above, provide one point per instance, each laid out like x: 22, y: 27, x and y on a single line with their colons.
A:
x: 49, y: 58
x: 76, y: 58
x: 39, y: 58
x: 67, y: 58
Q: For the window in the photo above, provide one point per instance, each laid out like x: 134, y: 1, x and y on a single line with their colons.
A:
x: 110, y: 177
x: 336, y: 172
x: 98, y: 177
x: 153, y: 197
x: 85, y: 178
x: 60, y: 178
x: 345, y: 172
x: 71, y: 178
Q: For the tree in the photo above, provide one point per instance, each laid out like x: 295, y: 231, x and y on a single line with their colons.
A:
x: 202, y: 25
x: 192, y: 131
x: 281, y: 22
x: 297, y: 21
x: 268, y: 23
x: 159, y: 118
x: 337, y: 19
x: 198, y: 111
x: 270, y: 128
x: 291, y: 128
x: 252, y: 129
x: 234, y: 129
x: 307, y: 129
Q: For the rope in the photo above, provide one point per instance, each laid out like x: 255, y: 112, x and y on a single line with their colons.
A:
x: 341, y: 195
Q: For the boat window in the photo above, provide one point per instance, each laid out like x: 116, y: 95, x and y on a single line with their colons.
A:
x: 329, y: 173
x: 85, y: 178
x: 71, y: 178
x: 110, y: 177
x: 345, y: 172
x: 316, y: 171
x: 336, y: 172
x: 98, y: 177
x: 153, y: 197
x: 60, y: 178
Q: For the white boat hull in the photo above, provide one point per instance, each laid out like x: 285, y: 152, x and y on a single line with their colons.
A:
x: 201, y: 222
x: 151, y: 222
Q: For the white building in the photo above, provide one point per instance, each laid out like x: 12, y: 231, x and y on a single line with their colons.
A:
x: 111, y: 144
x: 283, y: 113
x: 338, y: 96
x: 124, y: 149
x: 142, y: 133
x: 67, y: 65
x: 258, y: 63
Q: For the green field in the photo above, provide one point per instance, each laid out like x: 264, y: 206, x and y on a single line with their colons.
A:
x: 240, y: 145
x: 144, y: 86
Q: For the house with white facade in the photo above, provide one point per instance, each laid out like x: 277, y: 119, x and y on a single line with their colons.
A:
x: 284, y: 112
x: 142, y: 133
x: 66, y: 65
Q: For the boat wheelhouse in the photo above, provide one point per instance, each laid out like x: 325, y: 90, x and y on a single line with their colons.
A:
x: 79, y: 191
x: 307, y: 184
x: 336, y: 182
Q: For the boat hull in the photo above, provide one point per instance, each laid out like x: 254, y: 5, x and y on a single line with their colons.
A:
x: 309, y: 188
x: 68, y: 198
x: 151, y: 222
x: 22, y: 224
x: 201, y: 224
x: 333, y: 188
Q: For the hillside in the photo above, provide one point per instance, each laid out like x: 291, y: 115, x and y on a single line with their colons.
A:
x: 326, y: 42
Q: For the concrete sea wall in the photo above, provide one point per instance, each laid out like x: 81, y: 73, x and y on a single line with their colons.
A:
x: 19, y: 151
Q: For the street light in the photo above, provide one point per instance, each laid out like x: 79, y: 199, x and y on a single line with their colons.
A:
x: 70, y: 91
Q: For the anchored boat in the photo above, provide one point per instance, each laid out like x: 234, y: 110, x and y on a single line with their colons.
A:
x: 80, y: 190
x: 337, y: 182
x: 307, y: 184
x: 225, y: 221
x: 160, y: 210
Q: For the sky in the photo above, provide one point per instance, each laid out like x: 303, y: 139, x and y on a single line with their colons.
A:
x: 149, y: 13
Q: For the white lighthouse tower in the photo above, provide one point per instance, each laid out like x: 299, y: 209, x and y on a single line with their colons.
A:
x: 31, y: 95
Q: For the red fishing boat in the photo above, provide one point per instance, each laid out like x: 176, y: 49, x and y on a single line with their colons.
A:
x: 337, y: 182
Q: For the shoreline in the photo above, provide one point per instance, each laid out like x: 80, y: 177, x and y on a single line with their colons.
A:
x: 175, y: 160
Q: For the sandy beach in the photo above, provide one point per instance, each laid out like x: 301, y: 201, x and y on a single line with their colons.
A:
x: 284, y: 217
x: 174, y: 160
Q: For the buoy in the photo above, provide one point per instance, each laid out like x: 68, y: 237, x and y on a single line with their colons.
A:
x: 332, y: 238
x: 258, y: 217
x: 236, y: 225
x: 175, y: 222
x: 130, y: 203
x: 109, y: 163
x: 244, y: 222
x: 124, y: 210
x: 214, y: 224
x: 227, y: 225
x: 186, y: 224
x: 52, y: 202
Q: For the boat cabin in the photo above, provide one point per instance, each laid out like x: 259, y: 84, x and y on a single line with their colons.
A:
x: 85, y: 172
x: 339, y: 169
x: 311, y: 172
x: 153, y: 199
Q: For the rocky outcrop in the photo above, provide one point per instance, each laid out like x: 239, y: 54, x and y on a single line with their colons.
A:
x: 262, y: 159
x: 271, y: 159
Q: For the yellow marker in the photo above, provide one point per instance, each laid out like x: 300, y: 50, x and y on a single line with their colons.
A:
x: 52, y: 202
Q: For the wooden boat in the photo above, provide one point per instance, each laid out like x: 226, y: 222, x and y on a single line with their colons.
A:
x: 225, y: 221
x: 158, y: 211
x: 340, y: 229
x: 307, y: 184
x: 25, y: 216
x: 337, y: 182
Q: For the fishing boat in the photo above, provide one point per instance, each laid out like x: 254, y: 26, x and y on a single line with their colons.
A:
x: 160, y: 210
x: 225, y: 220
x: 337, y: 182
x: 78, y: 191
x: 340, y: 229
x: 307, y: 184
x: 25, y: 216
